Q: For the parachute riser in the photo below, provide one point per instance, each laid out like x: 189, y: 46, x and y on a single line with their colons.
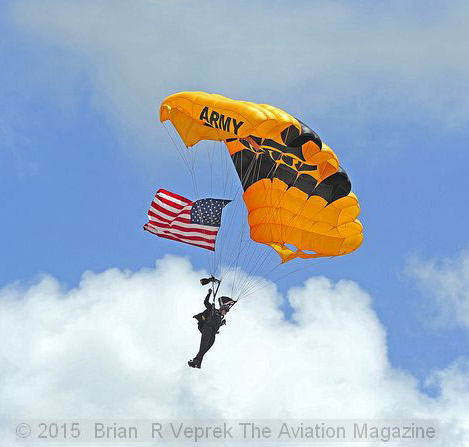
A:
x: 215, y: 291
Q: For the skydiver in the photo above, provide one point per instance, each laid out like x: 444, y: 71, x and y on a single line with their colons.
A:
x: 202, y: 317
x: 209, y: 323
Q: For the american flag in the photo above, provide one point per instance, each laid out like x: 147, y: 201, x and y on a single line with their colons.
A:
x: 175, y: 217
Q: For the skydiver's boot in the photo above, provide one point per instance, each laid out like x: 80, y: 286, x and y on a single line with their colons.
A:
x: 193, y: 363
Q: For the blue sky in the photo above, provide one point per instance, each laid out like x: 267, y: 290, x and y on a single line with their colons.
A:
x: 82, y: 150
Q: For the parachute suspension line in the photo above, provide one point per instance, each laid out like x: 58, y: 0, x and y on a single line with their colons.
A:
x: 211, y: 259
x: 254, y: 285
x: 235, y: 211
x: 225, y: 228
x: 228, y: 249
x: 229, y: 188
x: 254, y: 257
x: 261, y: 259
x: 240, y: 244
x: 214, y: 258
x: 192, y: 156
x: 248, y: 290
x: 227, y: 221
x: 262, y: 256
x: 249, y: 247
x: 224, y: 155
x: 255, y: 289
x: 184, y: 153
x: 234, y: 219
x: 287, y: 274
x: 245, y: 245
x: 234, y: 262
x: 216, y: 254
x: 265, y: 254
x: 189, y: 160
x: 180, y: 153
x: 209, y: 150
x: 227, y: 192
x: 253, y: 280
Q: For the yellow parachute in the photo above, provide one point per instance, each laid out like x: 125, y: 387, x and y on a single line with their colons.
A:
x: 298, y: 198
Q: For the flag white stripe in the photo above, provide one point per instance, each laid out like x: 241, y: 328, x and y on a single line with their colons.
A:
x: 173, y: 199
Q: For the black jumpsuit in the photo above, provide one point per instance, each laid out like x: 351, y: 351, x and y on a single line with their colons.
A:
x: 210, y: 321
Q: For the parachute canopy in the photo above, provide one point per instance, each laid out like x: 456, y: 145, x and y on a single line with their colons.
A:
x: 298, y: 198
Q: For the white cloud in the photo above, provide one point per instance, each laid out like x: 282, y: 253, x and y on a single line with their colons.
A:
x: 446, y: 283
x: 117, y: 346
x: 342, y: 63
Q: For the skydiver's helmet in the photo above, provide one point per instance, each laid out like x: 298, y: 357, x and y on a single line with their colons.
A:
x: 225, y: 308
x: 226, y: 303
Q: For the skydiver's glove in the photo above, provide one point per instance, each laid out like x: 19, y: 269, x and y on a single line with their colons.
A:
x: 209, y: 291
x: 223, y: 323
x: 214, y: 280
